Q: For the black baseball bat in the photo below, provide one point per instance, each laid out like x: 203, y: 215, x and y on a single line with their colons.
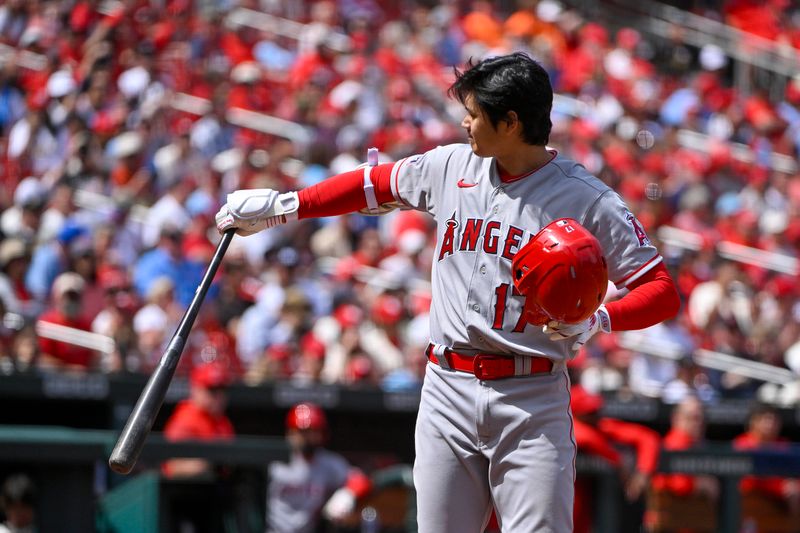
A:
x: 131, y: 440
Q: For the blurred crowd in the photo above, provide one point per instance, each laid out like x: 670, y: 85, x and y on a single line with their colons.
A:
x: 124, y: 124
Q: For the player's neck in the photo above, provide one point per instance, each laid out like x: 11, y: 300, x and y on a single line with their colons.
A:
x: 522, y: 161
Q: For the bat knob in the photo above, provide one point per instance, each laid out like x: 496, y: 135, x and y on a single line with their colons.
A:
x: 119, y: 467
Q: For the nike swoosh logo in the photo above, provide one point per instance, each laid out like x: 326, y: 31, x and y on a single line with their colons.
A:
x: 464, y: 185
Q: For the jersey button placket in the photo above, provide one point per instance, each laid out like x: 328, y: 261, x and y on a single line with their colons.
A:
x: 497, y: 198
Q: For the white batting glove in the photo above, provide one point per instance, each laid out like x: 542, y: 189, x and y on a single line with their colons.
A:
x: 253, y: 210
x: 340, y: 504
x: 599, y: 321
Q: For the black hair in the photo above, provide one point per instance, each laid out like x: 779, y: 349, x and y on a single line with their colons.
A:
x: 513, y: 82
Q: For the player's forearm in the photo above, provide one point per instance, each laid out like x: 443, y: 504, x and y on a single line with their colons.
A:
x: 344, y: 193
x: 644, y: 440
x: 653, y: 299
x: 591, y: 441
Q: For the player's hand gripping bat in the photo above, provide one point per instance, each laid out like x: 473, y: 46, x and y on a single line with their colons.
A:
x: 131, y: 440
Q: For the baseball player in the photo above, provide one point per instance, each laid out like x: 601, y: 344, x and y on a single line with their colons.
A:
x: 494, y: 426
x: 315, y: 481
x: 601, y: 436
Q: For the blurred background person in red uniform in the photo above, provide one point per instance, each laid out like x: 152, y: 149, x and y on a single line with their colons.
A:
x: 200, y: 417
x: 763, y: 433
x: 604, y: 437
x: 687, y: 432
x: 316, y: 483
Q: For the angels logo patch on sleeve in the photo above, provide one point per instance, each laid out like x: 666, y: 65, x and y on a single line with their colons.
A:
x: 644, y: 240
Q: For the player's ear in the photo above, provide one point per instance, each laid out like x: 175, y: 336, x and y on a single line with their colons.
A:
x: 513, y: 125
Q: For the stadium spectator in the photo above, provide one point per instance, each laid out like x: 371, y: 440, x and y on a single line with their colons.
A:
x: 690, y: 381
x: 115, y: 320
x: 650, y: 374
x: 125, y: 235
x: 166, y: 260
x: 687, y: 432
x: 381, y: 337
x: 14, y: 261
x: 236, y: 290
x: 201, y: 417
x: 66, y: 310
x: 60, y: 207
x: 310, y: 360
x: 83, y: 261
x: 168, y: 210
x: 602, y: 436
x: 416, y: 337
x: 156, y: 321
x: 341, y: 333
x: 763, y: 433
x: 51, y: 259
x: 23, y: 219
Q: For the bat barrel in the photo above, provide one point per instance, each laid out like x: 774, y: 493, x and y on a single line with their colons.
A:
x: 133, y: 436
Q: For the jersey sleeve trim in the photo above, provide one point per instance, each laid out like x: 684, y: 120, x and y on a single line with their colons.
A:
x: 641, y: 271
x: 394, y: 181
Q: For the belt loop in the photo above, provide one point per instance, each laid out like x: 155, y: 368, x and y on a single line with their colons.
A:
x: 439, y: 352
x: 527, y: 365
x: 519, y: 365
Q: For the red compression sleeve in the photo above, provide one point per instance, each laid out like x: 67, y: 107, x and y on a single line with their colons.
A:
x: 344, y: 193
x: 652, y: 299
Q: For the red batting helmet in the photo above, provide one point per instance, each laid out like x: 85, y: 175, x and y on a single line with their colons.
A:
x: 562, y: 273
x: 306, y: 416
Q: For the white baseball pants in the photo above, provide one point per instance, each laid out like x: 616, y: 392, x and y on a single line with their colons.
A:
x: 507, y: 443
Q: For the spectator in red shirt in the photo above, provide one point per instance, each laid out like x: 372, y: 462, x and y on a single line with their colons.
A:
x: 763, y: 432
x: 66, y: 310
x: 687, y: 432
x: 200, y: 417
x: 601, y: 436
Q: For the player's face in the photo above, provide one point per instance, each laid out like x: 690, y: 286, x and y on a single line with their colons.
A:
x: 767, y: 426
x: 481, y: 134
x: 214, y: 399
x: 305, y: 440
x: 690, y: 418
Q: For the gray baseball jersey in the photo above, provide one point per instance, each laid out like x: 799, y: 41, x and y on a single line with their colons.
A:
x: 507, y: 442
x: 482, y: 222
x: 299, y: 489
